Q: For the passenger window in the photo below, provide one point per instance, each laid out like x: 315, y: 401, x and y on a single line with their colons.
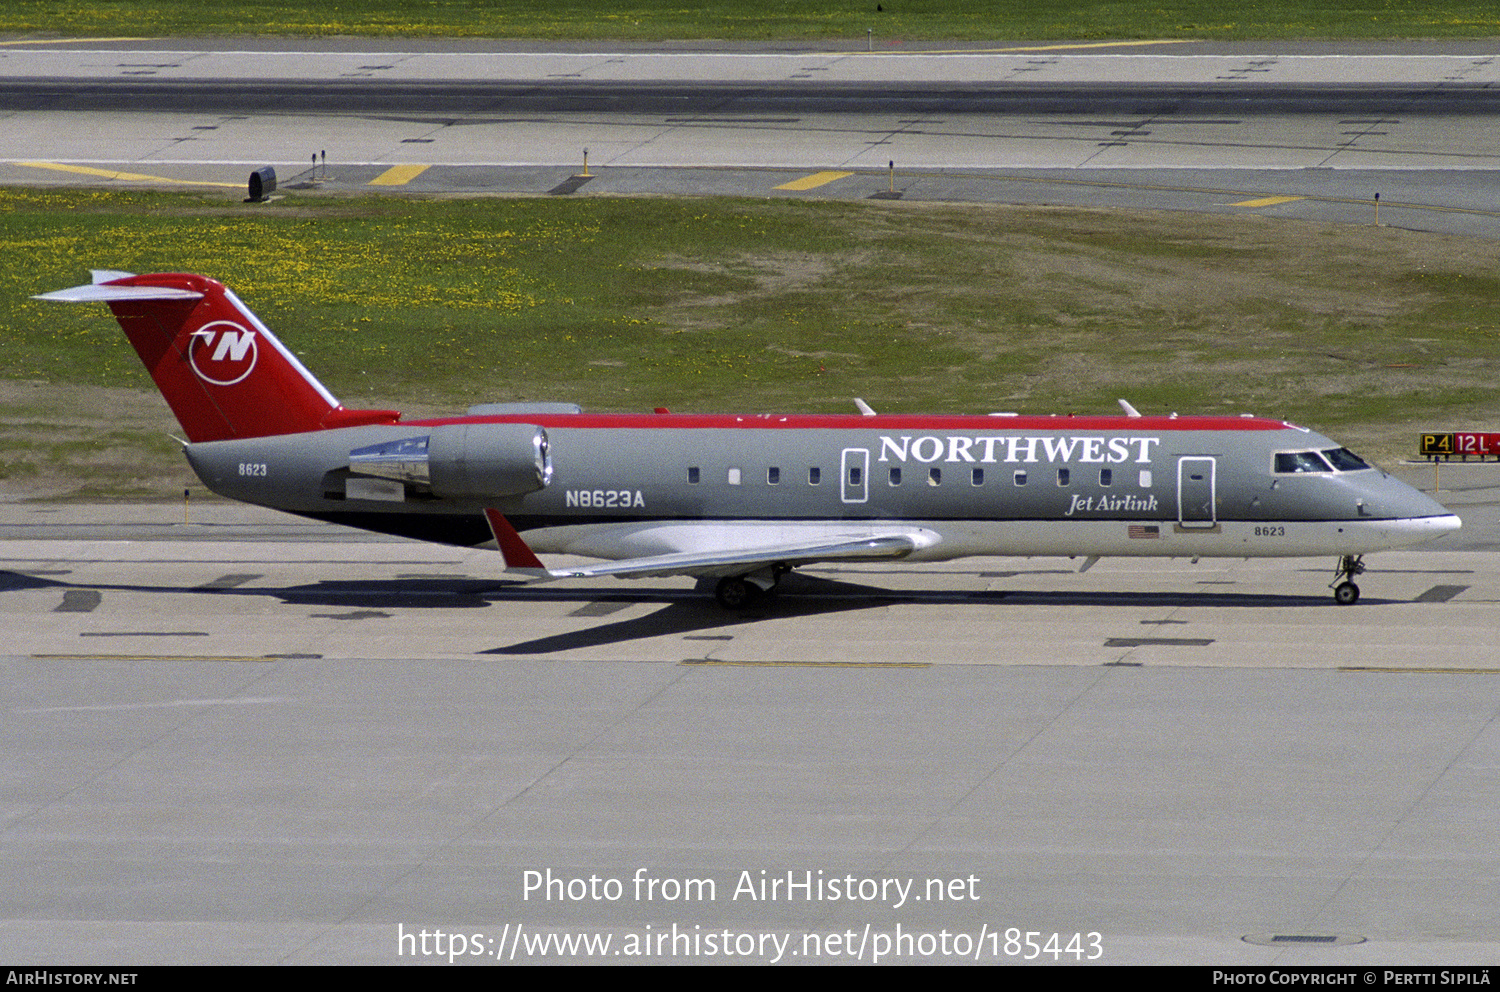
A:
x: 733, y: 477
x: 773, y: 476
x: 976, y: 477
x: 1106, y: 476
x: 693, y: 475
x: 814, y: 476
x: 934, y: 477
x: 1021, y: 477
x: 895, y: 476
x: 1063, y: 475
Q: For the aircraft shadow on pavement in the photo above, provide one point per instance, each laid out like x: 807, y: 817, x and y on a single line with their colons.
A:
x: 684, y: 611
x: 806, y: 596
x: 797, y: 595
x: 19, y: 581
x: 686, y: 616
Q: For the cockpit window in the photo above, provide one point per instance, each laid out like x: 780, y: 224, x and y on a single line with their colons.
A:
x: 1300, y: 461
x: 1345, y: 460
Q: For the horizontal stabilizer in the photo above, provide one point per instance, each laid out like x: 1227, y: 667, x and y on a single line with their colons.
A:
x: 105, y: 293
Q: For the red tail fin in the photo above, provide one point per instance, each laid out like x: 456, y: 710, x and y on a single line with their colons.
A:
x: 222, y: 371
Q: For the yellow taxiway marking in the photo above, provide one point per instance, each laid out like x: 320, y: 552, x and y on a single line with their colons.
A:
x: 398, y: 175
x: 129, y: 177
x: 715, y: 663
x: 154, y: 657
x: 1268, y: 201
x: 1419, y: 671
x: 1028, y: 48
x: 68, y: 41
x: 1096, y: 44
x: 815, y: 180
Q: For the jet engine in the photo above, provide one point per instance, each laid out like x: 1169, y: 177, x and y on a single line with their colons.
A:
x: 462, y: 460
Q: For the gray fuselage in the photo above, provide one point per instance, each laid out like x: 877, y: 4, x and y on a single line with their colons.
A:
x: 611, y: 485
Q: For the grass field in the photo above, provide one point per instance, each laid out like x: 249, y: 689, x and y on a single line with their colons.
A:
x: 1368, y: 334
x: 891, y: 21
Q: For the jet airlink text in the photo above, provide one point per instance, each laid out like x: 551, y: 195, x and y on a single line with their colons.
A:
x: 1113, y: 504
x: 989, y: 449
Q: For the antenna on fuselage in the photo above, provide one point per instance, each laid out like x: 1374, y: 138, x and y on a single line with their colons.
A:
x: 864, y: 408
x: 1130, y: 411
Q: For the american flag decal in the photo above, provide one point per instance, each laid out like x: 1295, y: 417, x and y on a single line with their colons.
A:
x: 1146, y: 531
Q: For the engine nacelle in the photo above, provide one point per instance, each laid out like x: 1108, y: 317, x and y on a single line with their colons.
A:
x: 463, y: 460
x: 489, y: 459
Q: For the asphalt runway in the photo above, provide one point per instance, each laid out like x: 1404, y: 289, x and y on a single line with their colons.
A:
x: 239, y: 737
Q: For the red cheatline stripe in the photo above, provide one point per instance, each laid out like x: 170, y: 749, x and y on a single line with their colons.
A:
x: 884, y: 422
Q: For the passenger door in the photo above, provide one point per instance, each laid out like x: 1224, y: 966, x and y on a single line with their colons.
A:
x: 1195, y: 492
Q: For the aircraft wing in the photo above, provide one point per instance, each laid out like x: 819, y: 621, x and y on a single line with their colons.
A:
x: 896, y: 541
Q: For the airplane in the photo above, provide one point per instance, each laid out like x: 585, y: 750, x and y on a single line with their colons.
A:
x: 740, y: 500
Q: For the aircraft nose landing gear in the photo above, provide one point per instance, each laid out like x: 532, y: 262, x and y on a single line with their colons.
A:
x: 1345, y: 592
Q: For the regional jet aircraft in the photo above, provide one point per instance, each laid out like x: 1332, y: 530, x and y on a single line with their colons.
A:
x: 741, y: 500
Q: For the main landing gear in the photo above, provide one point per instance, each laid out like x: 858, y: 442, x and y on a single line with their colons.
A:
x: 1345, y: 592
x: 737, y: 592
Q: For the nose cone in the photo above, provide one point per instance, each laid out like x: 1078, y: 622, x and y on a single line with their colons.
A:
x: 1420, y: 529
x: 1409, y: 516
x: 1404, y: 501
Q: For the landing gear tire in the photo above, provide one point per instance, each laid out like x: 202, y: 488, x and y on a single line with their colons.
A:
x: 735, y: 593
x: 1345, y: 592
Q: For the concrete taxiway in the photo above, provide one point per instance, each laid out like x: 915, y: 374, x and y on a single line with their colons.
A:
x: 1303, y: 134
x: 159, y: 580
x: 241, y: 737
x: 248, y: 738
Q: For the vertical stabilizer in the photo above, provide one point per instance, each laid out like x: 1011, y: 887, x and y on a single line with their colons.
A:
x: 222, y: 371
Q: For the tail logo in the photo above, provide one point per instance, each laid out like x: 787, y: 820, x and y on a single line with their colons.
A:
x: 222, y: 352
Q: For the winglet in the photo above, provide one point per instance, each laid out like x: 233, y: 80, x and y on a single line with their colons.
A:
x: 518, y: 557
